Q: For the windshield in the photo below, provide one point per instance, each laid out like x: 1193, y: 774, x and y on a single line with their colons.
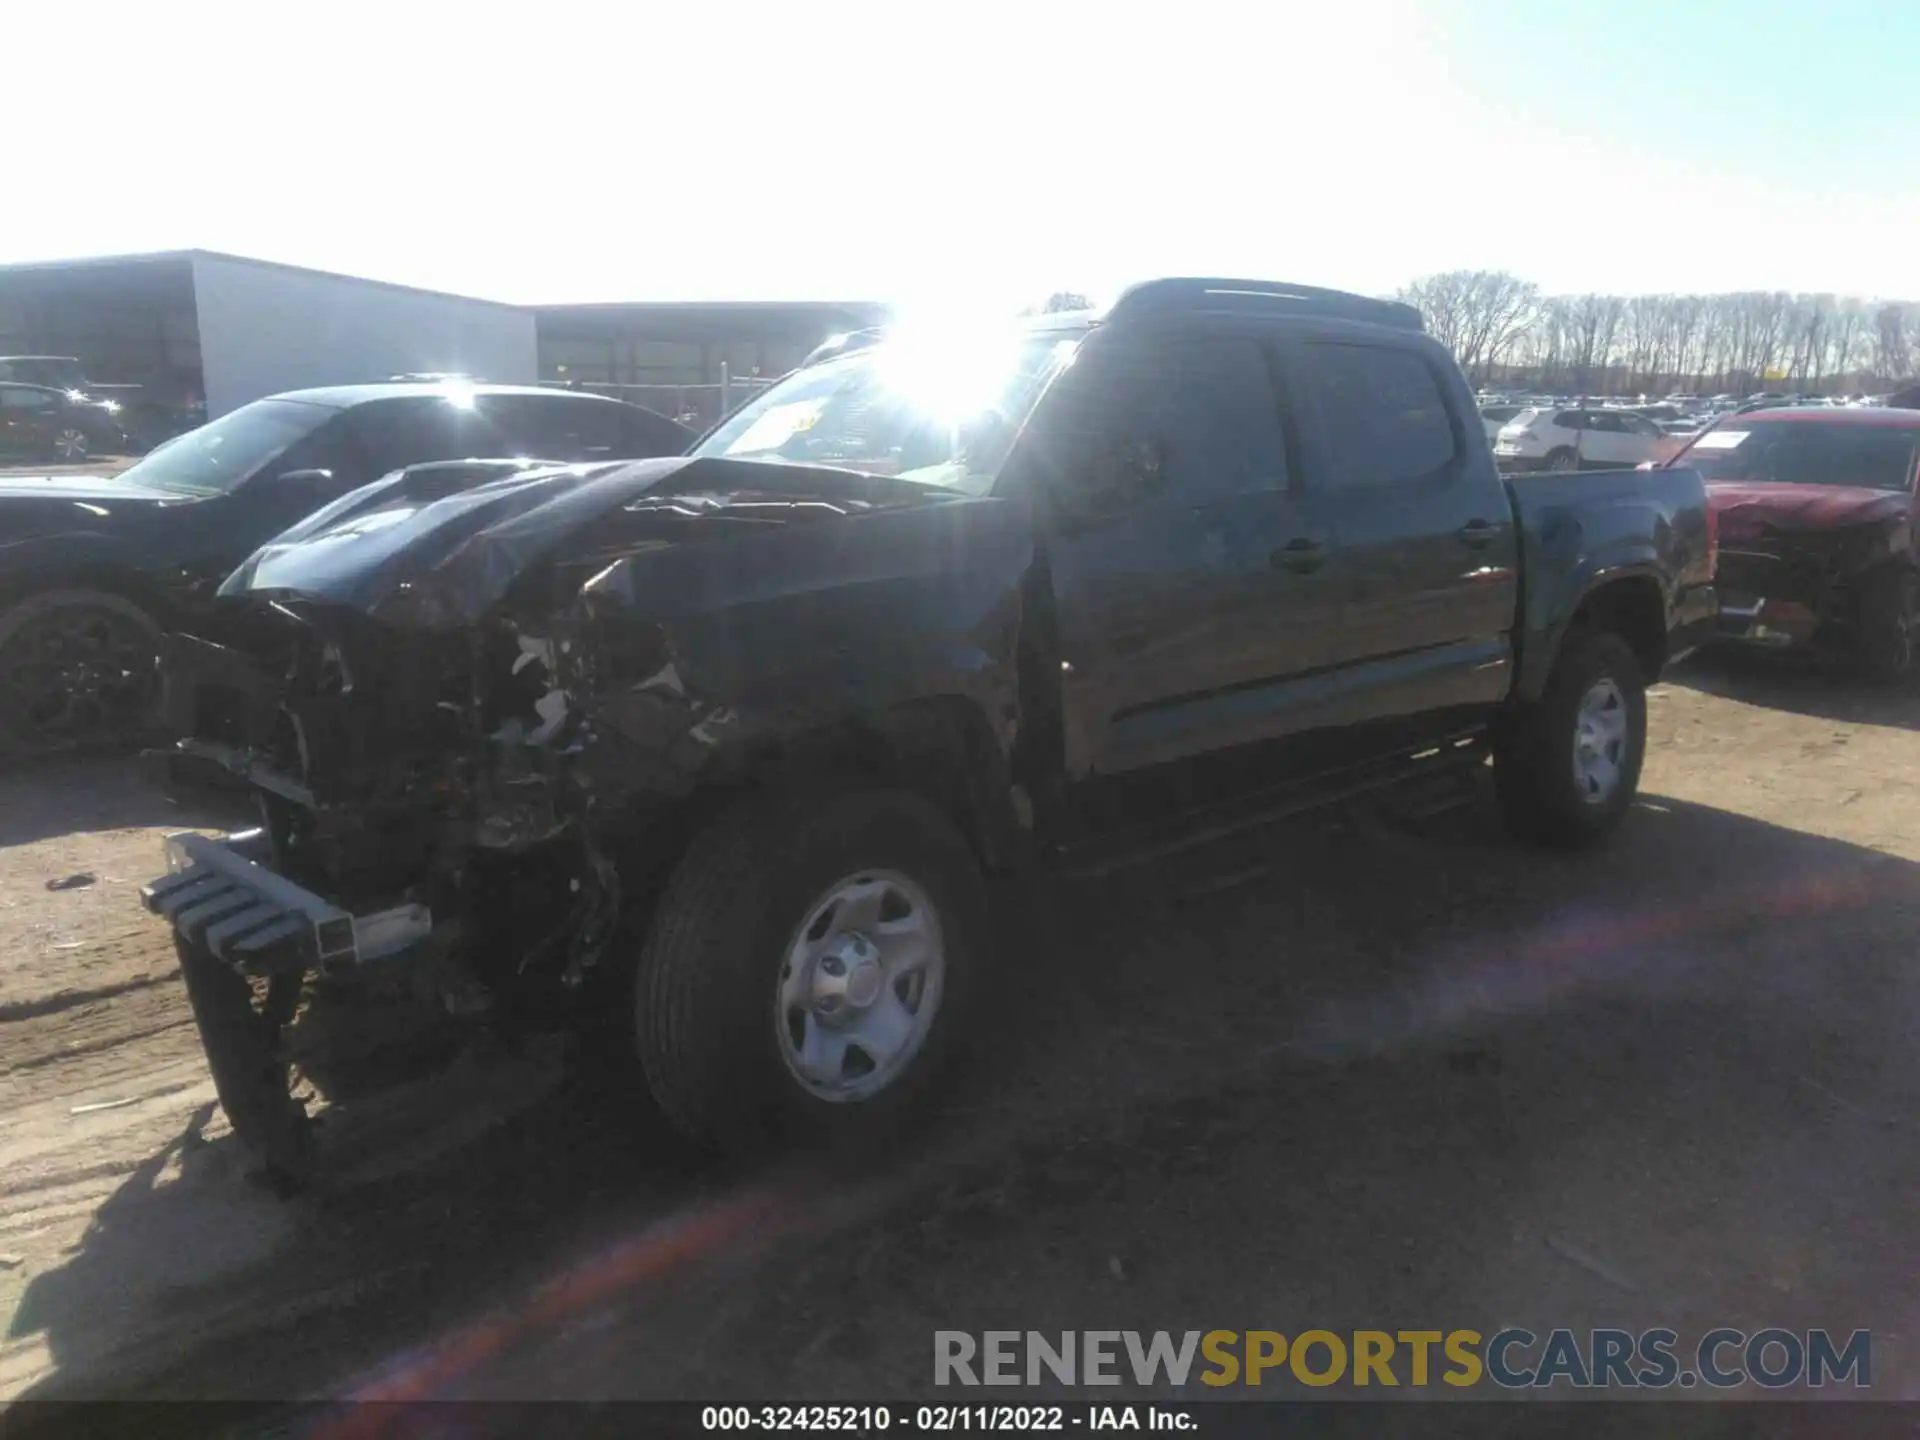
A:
x: 941, y: 414
x: 218, y: 456
x: 1803, y: 452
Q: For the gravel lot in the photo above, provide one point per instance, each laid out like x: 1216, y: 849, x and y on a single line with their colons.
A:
x: 1406, y: 1075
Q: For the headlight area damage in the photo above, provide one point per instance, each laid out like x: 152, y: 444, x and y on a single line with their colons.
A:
x: 481, y: 727
x: 1833, y: 572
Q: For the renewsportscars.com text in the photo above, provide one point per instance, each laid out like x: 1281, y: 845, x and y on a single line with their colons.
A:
x: 1513, y: 1358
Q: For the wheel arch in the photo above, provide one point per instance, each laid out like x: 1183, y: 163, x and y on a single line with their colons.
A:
x: 1630, y: 601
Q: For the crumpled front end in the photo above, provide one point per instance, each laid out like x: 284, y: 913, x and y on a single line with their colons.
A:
x: 468, y: 727
x: 1789, y: 582
x: 406, y: 785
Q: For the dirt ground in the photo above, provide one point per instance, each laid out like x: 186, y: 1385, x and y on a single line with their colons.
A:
x: 1398, y: 1073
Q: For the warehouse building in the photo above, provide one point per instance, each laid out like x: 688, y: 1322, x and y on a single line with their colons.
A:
x: 696, y: 358
x: 193, y: 325
x: 177, y: 329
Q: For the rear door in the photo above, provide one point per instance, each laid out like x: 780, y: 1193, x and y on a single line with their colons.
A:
x: 1181, y: 612
x: 1610, y: 440
x: 1428, y: 544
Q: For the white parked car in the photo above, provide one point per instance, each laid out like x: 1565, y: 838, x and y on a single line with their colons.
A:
x: 1495, y: 416
x: 1578, y: 438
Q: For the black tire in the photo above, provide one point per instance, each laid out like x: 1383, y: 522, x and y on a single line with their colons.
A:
x: 705, y: 1011
x: 1535, y: 776
x: 250, y: 1072
x: 46, y: 709
x: 1563, y: 460
x: 1890, y: 625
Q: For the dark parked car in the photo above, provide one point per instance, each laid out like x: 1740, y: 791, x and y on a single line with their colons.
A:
x: 142, y: 417
x: 1816, y: 511
x: 57, y: 372
x: 718, y: 750
x: 40, y: 423
x: 93, y: 570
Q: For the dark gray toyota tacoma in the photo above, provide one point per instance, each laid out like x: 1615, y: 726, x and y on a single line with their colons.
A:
x: 726, y: 746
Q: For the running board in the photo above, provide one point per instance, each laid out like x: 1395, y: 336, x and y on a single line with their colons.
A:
x: 1433, y: 767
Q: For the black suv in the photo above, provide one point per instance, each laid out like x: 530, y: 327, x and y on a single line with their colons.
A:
x: 41, y: 423
x: 94, y: 569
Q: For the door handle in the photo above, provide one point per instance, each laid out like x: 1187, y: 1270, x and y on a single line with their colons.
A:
x: 1477, y: 533
x: 1303, y: 555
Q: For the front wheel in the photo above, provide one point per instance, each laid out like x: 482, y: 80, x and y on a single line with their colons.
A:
x: 77, y: 672
x: 807, y: 970
x: 1890, y: 625
x: 1567, y: 766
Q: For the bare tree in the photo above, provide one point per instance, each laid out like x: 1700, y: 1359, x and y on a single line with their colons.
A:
x: 1500, y: 327
x: 1892, y: 346
x: 1478, y: 314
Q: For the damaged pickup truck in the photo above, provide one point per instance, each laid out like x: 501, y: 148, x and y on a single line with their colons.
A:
x: 1816, y: 521
x: 724, y: 747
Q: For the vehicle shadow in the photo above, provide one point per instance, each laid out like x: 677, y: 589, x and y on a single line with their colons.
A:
x: 1353, y: 1055
x: 47, y: 799
x: 1821, y: 689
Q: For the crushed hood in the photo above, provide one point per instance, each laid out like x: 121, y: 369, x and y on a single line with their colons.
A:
x: 1748, y: 508
x: 421, y: 558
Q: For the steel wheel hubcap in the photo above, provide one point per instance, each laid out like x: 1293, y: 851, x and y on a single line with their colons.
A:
x: 1599, y: 741
x: 859, y: 986
x: 71, y: 444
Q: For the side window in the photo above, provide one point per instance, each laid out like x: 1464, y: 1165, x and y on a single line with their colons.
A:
x: 558, y: 427
x: 392, y: 433
x: 1384, y: 414
x: 17, y: 399
x: 1607, y: 424
x: 1205, y: 409
x: 650, y: 433
x: 1571, y: 420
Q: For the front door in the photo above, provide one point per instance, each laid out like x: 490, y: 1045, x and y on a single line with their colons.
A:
x: 27, y: 414
x: 1185, y: 602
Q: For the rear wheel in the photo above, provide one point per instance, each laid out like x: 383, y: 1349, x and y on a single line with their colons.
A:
x: 807, y: 970
x: 70, y: 445
x: 1890, y: 625
x: 1567, y: 766
x: 1562, y: 460
x: 77, y: 672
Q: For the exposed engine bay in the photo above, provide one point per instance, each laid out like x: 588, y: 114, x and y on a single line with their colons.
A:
x: 455, y: 711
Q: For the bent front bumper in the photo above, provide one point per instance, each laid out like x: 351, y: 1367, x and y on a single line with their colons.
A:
x: 218, y: 893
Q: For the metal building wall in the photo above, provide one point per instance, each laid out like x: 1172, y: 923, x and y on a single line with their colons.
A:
x: 265, y: 328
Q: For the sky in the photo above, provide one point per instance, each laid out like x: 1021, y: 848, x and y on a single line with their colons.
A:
x: 944, y: 156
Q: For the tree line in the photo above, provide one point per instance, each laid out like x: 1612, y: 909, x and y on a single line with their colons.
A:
x: 1504, y: 331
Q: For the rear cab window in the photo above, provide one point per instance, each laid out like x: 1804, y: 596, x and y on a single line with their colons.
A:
x: 1383, y: 413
